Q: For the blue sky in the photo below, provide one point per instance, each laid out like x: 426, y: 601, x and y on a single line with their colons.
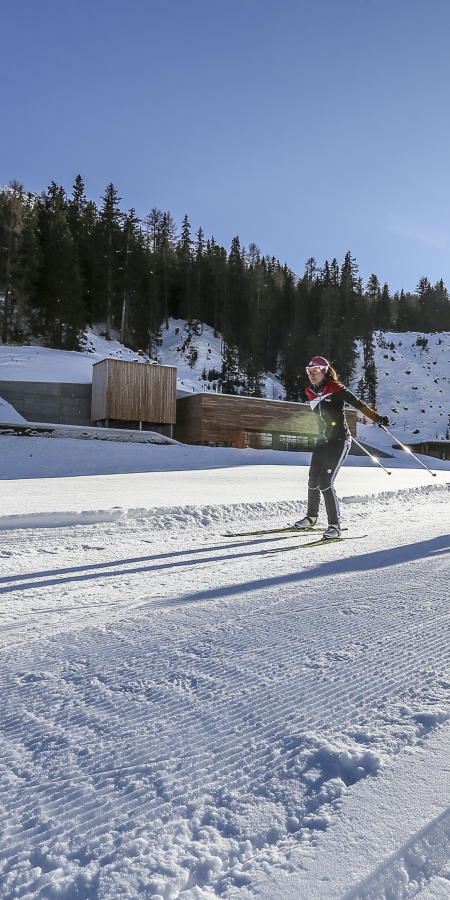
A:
x: 311, y: 127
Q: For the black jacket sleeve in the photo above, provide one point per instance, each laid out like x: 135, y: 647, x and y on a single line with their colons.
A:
x: 352, y: 399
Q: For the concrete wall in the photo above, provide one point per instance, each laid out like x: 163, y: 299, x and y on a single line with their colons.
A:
x: 50, y: 401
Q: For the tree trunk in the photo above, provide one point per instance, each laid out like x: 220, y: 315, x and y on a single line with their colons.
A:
x: 109, y: 290
x: 125, y: 285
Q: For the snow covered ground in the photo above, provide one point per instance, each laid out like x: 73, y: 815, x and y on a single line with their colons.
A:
x: 44, y: 477
x: 8, y: 413
x: 45, y: 364
x: 185, y: 715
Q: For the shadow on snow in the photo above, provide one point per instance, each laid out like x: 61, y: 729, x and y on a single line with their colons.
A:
x: 380, y: 559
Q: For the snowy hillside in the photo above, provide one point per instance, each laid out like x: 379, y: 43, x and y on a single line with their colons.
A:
x: 198, y: 357
x: 413, y: 383
x: 44, y: 364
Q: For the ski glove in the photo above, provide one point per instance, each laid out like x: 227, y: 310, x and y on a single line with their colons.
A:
x: 383, y: 420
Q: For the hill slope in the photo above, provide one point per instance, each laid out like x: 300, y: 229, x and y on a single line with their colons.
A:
x: 413, y: 383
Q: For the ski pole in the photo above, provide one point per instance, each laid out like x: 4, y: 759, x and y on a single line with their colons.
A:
x: 407, y: 450
x: 373, y: 458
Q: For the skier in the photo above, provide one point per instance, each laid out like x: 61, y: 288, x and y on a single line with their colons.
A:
x: 327, y: 397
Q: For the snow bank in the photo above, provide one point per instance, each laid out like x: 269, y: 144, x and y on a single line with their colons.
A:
x: 401, y: 492
x: 9, y: 414
x: 254, y: 516
x: 63, y: 519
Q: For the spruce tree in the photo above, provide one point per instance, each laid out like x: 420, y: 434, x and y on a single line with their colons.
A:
x: 350, y: 305
x: 370, y: 371
x: 82, y: 216
x: 201, y: 310
x: 24, y: 272
x: 383, y: 311
x: 185, y: 253
x: 130, y: 231
x: 153, y: 317
x: 166, y: 259
x: 11, y: 203
x: 109, y: 233
x: 58, y: 314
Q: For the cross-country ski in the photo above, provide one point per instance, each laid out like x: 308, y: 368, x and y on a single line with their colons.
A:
x: 323, y: 542
x: 288, y: 530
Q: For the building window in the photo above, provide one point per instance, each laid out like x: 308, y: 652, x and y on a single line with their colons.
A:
x: 258, y: 440
x: 293, y: 442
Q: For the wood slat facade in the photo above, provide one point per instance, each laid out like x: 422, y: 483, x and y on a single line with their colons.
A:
x: 133, y: 392
x: 223, y: 419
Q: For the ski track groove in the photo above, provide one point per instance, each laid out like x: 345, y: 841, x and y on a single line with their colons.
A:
x: 342, y: 703
x: 270, y: 686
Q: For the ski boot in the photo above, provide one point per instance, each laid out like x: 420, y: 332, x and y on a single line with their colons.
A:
x: 333, y: 533
x: 305, y: 524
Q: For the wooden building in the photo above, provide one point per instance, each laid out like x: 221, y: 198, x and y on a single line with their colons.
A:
x: 438, y: 449
x: 134, y: 395
x: 225, y: 420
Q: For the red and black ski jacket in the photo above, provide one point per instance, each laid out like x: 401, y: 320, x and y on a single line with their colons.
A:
x: 327, y: 402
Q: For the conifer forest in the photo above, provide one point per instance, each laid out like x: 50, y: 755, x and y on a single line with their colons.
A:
x: 67, y: 263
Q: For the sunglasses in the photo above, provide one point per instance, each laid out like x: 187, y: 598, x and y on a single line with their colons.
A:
x: 314, y: 370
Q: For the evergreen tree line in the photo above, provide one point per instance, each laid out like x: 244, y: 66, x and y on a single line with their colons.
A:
x: 66, y: 263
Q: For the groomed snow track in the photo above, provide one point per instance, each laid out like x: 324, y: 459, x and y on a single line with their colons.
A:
x: 183, y: 717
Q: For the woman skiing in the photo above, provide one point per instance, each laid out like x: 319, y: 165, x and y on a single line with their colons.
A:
x: 327, y: 397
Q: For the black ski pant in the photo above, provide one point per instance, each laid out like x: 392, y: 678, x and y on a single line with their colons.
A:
x: 326, y: 461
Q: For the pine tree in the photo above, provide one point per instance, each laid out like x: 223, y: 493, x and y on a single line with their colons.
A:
x: 235, y: 312
x: 370, y: 371
x: 231, y: 376
x: 327, y: 289
x: 58, y: 314
x: 166, y: 257
x: 130, y: 223
x: 373, y: 289
x: 294, y: 353
x: 215, y: 269
x: 383, y: 310
x: 350, y: 305
x: 110, y: 240
x: 11, y: 203
x: 24, y: 272
x: 153, y: 227
x: 82, y: 216
x: 186, y: 259
x: 142, y: 311
x: 201, y: 311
